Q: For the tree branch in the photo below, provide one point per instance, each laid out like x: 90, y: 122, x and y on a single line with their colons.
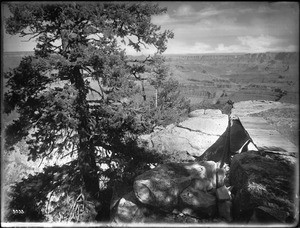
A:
x: 90, y: 88
x: 71, y: 152
x: 26, y: 34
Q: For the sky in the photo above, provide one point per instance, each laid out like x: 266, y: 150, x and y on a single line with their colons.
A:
x: 215, y: 27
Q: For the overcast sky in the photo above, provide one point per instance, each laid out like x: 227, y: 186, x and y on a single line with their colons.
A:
x: 218, y: 27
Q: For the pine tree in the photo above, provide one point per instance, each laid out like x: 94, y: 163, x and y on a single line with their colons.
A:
x: 79, y: 93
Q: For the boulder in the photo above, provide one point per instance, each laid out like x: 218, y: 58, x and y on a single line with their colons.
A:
x: 225, y: 210
x: 223, y: 193
x: 198, y: 201
x: 262, y: 180
x: 120, y: 189
x: 128, y: 210
x: 172, y: 192
x: 263, y: 214
x: 162, y: 186
x: 220, y: 175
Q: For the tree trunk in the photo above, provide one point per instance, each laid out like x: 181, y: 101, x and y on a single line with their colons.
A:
x: 143, y: 90
x: 156, y: 98
x: 86, y: 150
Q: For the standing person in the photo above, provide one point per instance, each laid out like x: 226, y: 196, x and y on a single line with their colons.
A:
x: 227, y: 107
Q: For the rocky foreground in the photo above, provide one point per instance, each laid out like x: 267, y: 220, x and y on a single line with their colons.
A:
x: 253, y: 186
x: 221, y: 176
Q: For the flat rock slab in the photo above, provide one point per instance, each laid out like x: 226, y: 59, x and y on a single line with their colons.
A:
x: 245, y: 108
x: 264, y: 136
x: 210, y: 124
x: 194, y: 135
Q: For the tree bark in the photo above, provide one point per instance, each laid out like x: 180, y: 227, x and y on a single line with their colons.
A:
x: 143, y: 91
x: 156, y: 97
x: 86, y: 150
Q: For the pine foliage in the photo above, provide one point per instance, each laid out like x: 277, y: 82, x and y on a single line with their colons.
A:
x: 80, y: 95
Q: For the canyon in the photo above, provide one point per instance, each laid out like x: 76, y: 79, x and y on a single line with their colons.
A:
x: 262, y: 86
x: 216, y: 78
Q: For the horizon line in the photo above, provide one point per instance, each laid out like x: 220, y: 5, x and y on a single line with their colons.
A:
x: 207, y: 53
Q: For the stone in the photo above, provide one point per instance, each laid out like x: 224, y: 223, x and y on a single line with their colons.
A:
x: 223, y: 193
x: 197, y: 199
x: 204, y: 184
x: 264, y: 214
x: 221, y: 175
x: 127, y: 210
x: 161, y: 186
x: 188, y: 211
x: 172, y: 192
x: 210, y: 171
x: 262, y: 179
x: 224, y: 209
x: 130, y: 210
x: 196, y: 169
x: 119, y: 190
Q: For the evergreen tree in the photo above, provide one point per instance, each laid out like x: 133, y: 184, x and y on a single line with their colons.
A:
x: 79, y: 94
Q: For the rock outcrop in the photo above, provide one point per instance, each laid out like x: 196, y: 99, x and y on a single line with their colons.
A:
x: 246, y: 108
x: 262, y: 191
x: 191, y: 137
x: 261, y: 187
x: 264, y: 184
x: 194, y: 189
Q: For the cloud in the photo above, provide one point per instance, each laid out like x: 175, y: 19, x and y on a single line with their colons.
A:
x: 184, y: 10
x: 260, y: 44
x: 208, y: 12
x: 16, y: 43
x: 292, y: 48
x: 201, y: 47
x: 252, y: 44
x: 189, y: 14
x: 276, y: 7
x: 205, y: 27
x: 178, y: 47
x: 162, y: 19
x: 230, y: 49
x: 242, y: 44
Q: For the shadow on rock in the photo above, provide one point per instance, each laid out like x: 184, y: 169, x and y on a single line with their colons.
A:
x: 264, y: 187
